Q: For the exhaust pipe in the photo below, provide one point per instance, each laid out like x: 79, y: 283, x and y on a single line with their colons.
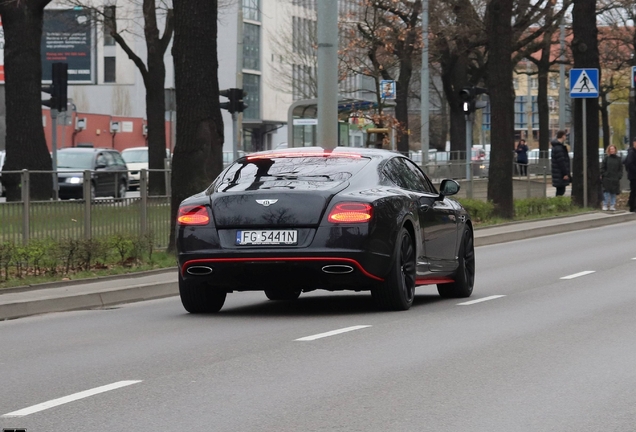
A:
x: 337, y: 269
x: 199, y: 270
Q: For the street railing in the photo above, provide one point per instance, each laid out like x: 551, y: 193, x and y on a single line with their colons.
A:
x: 27, y: 219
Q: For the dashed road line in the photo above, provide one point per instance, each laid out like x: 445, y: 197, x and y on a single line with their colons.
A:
x: 331, y: 333
x: 480, y: 300
x: 575, y: 275
x: 70, y: 398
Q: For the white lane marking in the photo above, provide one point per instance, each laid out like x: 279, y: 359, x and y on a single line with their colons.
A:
x: 575, y: 275
x: 331, y: 333
x: 70, y: 398
x: 633, y: 259
x: 480, y: 300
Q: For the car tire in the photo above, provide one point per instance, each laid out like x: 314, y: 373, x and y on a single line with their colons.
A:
x: 465, y: 273
x: 121, y: 190
x: 199, y: 297
x: 398, y: 290
x: 283, y: 294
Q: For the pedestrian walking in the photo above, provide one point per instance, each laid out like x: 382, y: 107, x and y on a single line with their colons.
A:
x: 561, y: 176
x: 630, y: 166
x: 522, y: 157
x: 611, y: 174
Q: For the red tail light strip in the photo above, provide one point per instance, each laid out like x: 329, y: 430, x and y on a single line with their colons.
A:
x: 433, y: 280
x: 238, y: 260
x: 303, y: 154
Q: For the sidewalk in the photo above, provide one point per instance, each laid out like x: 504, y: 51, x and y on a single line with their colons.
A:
x: 112, y: 290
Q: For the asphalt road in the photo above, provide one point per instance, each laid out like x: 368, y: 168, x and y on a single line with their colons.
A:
x: 537, y: 353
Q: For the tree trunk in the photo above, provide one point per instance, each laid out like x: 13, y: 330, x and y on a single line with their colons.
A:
x: 604, y: 107
x: 198, y: 152
x: 454, y: 77
x: 499, y: 79
x: 156, y: 117
x: 543, y: 67
x: 402, y: 105
x: 25, y: 143
x: 584, y: 48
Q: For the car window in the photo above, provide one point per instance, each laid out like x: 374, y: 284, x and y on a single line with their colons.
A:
x: 75, y: 159
x: 136, y: 156
x: 314, y: 172
x: 407, y: 175
x: 118, y: 159
x: 101, y: 160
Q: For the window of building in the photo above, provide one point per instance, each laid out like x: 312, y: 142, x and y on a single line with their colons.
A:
x: 307, y: 4
x: 110, y: 75
x: 251, y: 10
x: 515, y: 83
x: 521, y: 113
x: 534, y: 83
x: 252, y: 85
x: 251, y: 46
x: 303, y: 82
x: 554, y: 82
x: 109, y: 24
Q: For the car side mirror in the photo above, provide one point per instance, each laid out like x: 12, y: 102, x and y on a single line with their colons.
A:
x: 449, y: 187
x: 100, y: 167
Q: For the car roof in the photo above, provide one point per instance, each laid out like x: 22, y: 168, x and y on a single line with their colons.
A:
x: 86, y: 149
x: 309, y: 151
x: 135, y: 148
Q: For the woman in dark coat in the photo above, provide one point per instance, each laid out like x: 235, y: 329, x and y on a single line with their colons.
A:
x: 561, y: 176
x: 522, y: 157
x: 611, y: 174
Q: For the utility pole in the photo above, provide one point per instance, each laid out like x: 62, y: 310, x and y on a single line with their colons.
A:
x: 424, y: 84
x: 327, y: 74
x: 529, y: 103
x: 237, y: 117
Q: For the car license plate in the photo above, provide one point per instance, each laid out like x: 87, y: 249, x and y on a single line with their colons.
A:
x: 267, y: 237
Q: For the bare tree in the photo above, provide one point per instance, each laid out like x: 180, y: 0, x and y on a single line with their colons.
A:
x: 153, y: 73
x: 198, y: 153
x: 22, y: 22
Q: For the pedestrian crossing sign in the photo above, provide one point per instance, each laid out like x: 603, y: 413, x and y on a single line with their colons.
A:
x: 583, y: 83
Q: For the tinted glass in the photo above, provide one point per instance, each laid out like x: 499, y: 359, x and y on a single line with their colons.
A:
x: 406, y: 175
x: 310, y: 172
x: 71, y: 159
x: 118, y: 159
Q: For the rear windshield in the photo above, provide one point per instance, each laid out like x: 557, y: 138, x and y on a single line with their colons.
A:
x: 307, y: 172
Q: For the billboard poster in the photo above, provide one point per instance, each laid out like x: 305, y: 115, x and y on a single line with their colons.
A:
x: 1, y: 53
x: 68, y: 37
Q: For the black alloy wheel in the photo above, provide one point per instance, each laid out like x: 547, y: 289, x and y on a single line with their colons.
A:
x: 398, y: 290
x: 465, y: 273
x: 199, y: 297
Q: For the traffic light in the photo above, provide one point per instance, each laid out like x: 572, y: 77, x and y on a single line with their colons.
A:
x: 235, y: 97
x: 58, y: 88
x: 469, y: 96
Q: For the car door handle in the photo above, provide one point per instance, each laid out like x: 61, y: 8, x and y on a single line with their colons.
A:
x: 425, y: 207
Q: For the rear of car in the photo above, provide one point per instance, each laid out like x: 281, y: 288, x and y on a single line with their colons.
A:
x: 277, y: 214
x: 136, y: 159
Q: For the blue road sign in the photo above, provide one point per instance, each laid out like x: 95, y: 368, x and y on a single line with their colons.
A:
x: 633, y: 76
x: 387, y: 88
x: 583, y: 83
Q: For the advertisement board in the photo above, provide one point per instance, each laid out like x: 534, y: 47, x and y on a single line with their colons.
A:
x: 68, y: 37
x: 1, y: 53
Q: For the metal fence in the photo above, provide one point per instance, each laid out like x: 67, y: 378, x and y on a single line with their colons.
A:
x: 25, y: 220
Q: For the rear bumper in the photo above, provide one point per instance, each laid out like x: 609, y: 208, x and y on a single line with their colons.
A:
x: 257, y: 273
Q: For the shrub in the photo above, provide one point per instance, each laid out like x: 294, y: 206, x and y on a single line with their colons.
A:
x: 478, y: 210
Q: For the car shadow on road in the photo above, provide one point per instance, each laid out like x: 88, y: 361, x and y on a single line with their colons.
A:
x: 323, y: 305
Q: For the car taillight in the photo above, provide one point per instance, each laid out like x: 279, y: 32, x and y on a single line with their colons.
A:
x: 350, y: 213
x: 193, y: 215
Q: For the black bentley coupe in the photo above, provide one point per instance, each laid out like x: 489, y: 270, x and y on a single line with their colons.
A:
x: 295, y: 220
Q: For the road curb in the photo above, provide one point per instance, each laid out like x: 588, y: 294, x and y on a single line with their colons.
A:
x: 483, y: 238
x: 91, y: 300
